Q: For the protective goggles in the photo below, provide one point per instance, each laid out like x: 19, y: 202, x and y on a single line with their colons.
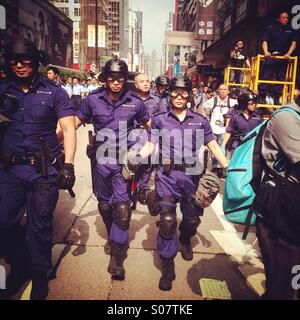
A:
x: 113, y: 79
x: 176, y: 93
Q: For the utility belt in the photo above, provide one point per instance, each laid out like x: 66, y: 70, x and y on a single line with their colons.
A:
x: 38, y: 160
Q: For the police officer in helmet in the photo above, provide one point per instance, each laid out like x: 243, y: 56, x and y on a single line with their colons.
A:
x: 110, y: 108
x: 161, y: 89
x: 177, y: 179
x: 243, y: 120
x: 29, y: 175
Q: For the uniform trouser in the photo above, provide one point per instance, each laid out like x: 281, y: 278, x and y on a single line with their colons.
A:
x: 113, y: 190
x: 22, y: 188
x: 273, y: 70
x: 181, y: 187
x: 142, y: 183
x: 219, y: 139
x: 76, y: 100
x: 279, y: 257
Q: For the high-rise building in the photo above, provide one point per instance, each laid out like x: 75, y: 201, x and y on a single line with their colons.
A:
x: 138, y: 31
x: 124, y: 26
x: 187, y: 11
x: 97, y: 45
x: 71, y: 8
x: 113, y: 26
x: 178, y: 12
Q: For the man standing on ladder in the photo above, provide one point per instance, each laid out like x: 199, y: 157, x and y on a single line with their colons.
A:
x: 278, y: 40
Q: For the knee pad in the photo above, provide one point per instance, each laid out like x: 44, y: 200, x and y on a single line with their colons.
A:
x: 189, y: 225
x: 153, y: 203
x: 122, y: 215
x: 105, y: 210
x: 167, y: 226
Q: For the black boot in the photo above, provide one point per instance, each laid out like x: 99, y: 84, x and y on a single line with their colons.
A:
x: 39, y: 289
x: 142, y: 196
x: 168, y: 275
x: 107, y: 248
x: 117, y: 256
x: 186, y: 249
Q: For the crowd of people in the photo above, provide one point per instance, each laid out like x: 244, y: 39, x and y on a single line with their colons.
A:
x: 39, y: 119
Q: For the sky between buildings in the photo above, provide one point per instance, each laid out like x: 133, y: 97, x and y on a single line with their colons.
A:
x: 155, y: 15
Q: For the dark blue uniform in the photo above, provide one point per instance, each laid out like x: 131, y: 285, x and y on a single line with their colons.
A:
x: 177, y: 185
x: 279, y: 39
x: 239, y: 125
x: 109, y: 185
x: 22, y: 186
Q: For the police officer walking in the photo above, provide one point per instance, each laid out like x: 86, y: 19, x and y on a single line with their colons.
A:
x: 243, y: 120
x: 29, y: 173
x: 278, y: 40
x: 154, y: 105
x: 152, y: 102
x: 109, y: 108
x: 174, y: 183
x: 161, y: 89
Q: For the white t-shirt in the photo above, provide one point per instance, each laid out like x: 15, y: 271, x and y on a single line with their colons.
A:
x: 93, y: 87
x: 218, y: 113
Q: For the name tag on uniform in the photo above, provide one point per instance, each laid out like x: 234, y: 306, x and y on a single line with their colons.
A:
x: 128, y: 106
x: 195, y: 124
x: 43, y: 92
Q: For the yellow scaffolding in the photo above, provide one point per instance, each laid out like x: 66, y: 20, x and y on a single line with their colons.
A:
x: 246, y: 77
x: 288, y: 85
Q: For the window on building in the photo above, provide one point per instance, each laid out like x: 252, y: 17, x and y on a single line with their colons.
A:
x: 76, y: 36
x: 77, y: 12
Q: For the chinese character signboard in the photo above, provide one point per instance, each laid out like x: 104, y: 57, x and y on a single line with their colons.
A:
x: 92, y: 36
x: 206, y: 13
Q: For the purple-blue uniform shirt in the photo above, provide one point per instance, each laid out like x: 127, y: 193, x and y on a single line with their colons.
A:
x: 197, y: 129
x: 240, y: 126
x: 39, y: 111
x: 106, y: 114
x: 154, y: 105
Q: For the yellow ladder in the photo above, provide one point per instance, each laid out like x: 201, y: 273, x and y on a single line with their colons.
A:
x: 246, y: 77
x: 288, y: 85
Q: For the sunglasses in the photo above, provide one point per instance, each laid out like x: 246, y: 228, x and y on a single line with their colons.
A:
x: 176, y: 93
x: 23, y: 62
x: 112, y: 79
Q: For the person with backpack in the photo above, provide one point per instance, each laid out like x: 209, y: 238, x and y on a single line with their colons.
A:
x: 263, y: 187
x: 277, y: 204
x: 217, y: 109
x: 243, y: 120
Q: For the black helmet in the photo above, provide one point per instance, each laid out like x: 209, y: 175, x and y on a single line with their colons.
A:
x: 115, y: 66
x: 181, y: 82
x: 162, y: 81
x: 21, y: 47
x: 245, y: 97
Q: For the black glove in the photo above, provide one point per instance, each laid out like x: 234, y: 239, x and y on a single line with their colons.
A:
x: 67, y: 177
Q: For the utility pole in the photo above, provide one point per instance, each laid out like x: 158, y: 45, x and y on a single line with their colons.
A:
x: 132, y: 49
x: 96, y: 33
